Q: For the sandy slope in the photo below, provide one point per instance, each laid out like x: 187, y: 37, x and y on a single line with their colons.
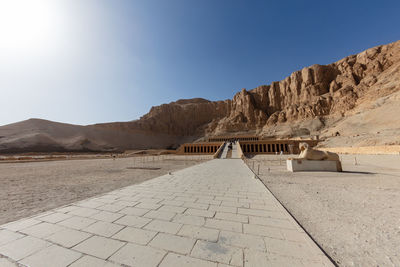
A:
x: 36, y: 135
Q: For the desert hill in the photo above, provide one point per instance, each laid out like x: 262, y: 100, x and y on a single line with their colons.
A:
x: 36, y: 135
x: 354, y: 101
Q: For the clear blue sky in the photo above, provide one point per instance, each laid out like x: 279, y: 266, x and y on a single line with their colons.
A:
x: 93, y: 61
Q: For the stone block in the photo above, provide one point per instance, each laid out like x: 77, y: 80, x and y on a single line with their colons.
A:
x: 98, y: 246
x: 198, y: 232
x: 173, y: 260
x: 178, y: 244
x: 136, y: 255
x: 297, y: 165
x: 52, y: 256
x: 135, y: 235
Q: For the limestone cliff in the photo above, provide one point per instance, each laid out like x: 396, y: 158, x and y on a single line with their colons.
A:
x: 313, y: 92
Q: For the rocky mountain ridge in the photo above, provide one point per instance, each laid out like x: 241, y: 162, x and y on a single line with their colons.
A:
x: 313, y: 92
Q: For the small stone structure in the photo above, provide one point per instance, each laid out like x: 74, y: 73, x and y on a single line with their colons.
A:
x: 314, y: 160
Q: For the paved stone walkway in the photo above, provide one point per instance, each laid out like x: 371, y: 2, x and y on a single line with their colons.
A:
x: 211, y: 214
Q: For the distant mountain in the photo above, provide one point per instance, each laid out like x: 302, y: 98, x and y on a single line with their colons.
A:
x: 36, y: 135
x: 354, y: 101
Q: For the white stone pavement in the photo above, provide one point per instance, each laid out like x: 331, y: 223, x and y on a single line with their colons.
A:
x: 211, y: 214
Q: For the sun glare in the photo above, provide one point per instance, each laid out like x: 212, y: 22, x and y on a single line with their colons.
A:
x: 27, y: 26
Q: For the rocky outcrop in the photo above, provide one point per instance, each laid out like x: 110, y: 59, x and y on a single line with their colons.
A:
x: 313, y: 92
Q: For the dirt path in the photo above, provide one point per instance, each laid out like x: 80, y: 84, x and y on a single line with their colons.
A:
x: 30, y: 188
x: 354, y: 215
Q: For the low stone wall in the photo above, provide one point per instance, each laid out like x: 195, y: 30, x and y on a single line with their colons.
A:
x: 377, y: 150
x: 216, y: 155
x: 239, y: 151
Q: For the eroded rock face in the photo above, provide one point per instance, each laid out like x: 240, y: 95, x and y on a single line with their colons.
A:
x: 313, y: 92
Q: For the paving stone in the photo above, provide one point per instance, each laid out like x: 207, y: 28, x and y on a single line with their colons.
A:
x: 172, y: 202
x: 280, y: 223
x: 235, y: 204
x: 277, y: 260
x: 107, y: 216
x: 224, y: 225
x: 150, y: 200
x: 202, y: 213
x: 90, y: 204
x: 241, y: 240
x: 251, y: 201
x: 52, y: 256
x: 89, y: 261
x: 151, y: 206
x: 134, y: 211
x: 84, y: 212
x: 23, y: 247
x: 217, y: 252
x: 262, y: 230
x: 231, y: 217
x: 223, y: 209
x: 134, y: 221
x: 230, y: 199
x: 111, y: 207
x: 7, y: 236
x: 198, y: 232
x: 21, y: 224
x: 77, y: 222
x: 55, y: 217
x: 163, y: 226
x: 42, y: 230
x: 106, y: 200
x: 126, y: 203
x: 135, y: 235
x: 161, y: 215
x: 289, y: 248
x: 175, y: 260
x: 173, y: 243
x: 195, y: 205
x: 189, y: 219
x: 103, y: 228
x: 209, y: 201
x: 185, y: 199
x: 66, y: 209
x: 261, y: 213
x: 255, y: 258
x: 6, y: 263
x: 263, y: 207
x: 137, y: 255
x: 98, y: 246
x: 294, y: 235
x: 172, y: 209
x: 68, y: 237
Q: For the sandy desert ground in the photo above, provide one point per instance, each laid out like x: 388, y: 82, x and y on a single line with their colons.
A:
x: 354, y: 216
x: 33, y: 187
